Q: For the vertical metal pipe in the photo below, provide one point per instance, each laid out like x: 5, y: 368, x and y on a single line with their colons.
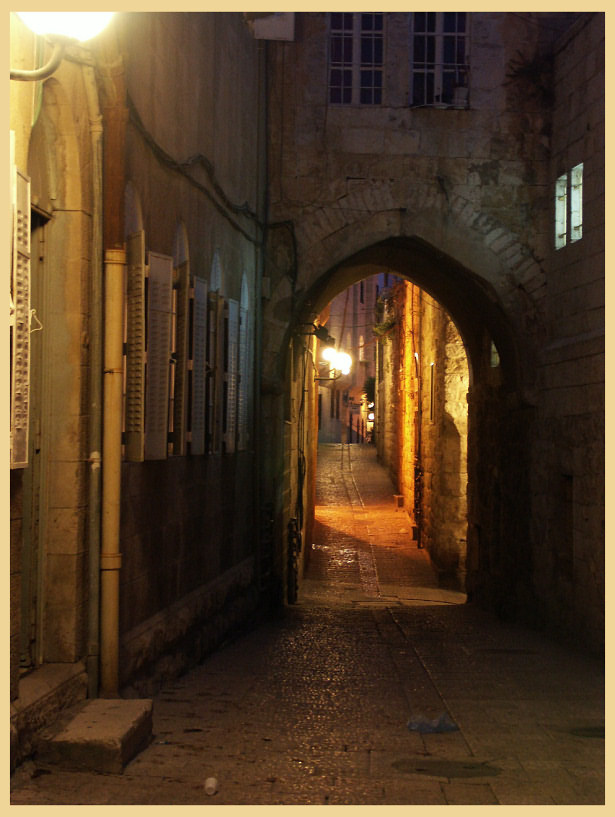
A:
x: 110, y: 557
x: 95, y: 388
x: 262, y: 204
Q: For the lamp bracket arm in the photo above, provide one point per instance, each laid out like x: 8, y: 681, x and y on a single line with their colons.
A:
x: 59, y: 47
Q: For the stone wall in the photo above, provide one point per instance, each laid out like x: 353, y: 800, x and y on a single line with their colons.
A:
x: 424, y: 443
x: 569, y: 477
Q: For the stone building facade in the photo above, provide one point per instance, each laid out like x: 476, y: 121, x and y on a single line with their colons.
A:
x: 343, y: 408
x: 146, y: 145
x: 452, y: 186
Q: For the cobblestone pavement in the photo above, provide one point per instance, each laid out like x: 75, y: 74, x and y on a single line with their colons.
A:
x: 314, y: 707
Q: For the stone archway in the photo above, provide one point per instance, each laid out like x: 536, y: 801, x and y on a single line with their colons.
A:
x: 486, y: 313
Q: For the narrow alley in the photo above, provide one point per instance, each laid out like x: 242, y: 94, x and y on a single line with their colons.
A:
x: 377, y: 687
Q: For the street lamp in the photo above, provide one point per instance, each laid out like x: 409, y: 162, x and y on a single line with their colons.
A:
x: 338, y: 362
x: 61, y: 28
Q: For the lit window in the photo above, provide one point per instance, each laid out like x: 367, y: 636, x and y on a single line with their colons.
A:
x: 439, y: 58
x: 356, y: 46
x: 576, y: 203
x: 569, y: 207
x: 561, y: 207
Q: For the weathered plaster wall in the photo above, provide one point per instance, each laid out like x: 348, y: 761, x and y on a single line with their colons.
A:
x: 188, y: 521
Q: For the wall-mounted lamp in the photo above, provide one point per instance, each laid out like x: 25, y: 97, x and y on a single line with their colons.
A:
x: 61, y: 28
x: 320, y: 332
x: 339, y: 364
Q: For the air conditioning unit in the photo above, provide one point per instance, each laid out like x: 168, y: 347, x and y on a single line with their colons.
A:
x: 276, y: 25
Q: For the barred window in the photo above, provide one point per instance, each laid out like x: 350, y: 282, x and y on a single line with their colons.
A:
x: 356, y: 53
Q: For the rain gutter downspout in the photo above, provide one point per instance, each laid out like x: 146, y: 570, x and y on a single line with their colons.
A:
x: 95, y: 387
x: 262, y: 205
x: 110, y: 557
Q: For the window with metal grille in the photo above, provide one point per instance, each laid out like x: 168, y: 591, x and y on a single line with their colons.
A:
x: 439, y: 59
x: 356, y: 51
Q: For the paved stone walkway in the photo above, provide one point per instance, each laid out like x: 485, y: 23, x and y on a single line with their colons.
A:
x: 314, y: 707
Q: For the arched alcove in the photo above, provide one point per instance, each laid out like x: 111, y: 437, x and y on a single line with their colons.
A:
x: 216, y: 278
x: 180, y: 246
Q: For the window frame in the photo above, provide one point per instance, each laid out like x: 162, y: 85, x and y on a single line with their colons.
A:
x: 438, y: 68
x: 354, y: 67
x: 568, y: 207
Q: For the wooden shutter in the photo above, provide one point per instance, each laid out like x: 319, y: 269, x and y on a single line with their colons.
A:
x: 135, y: 347
x: 180, y: 400
x: 158, y: 354
x: 231, y: 374
x: 199, y: 362
x: 20, y: 320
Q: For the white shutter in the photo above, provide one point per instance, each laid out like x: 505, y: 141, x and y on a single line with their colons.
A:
x: 20, y: 320
x: 231, y: 375
x: 158, y: 355
x: 135, y: 346
x: 199, y: 362
x: 215, y: 351
x: 180, y: 398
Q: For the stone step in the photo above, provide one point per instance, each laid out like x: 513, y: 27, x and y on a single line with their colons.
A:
x: 102, y: 735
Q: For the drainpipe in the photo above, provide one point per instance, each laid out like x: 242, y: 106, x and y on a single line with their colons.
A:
x: 95, y: 396
x: 262, y: 207
x: 110, y: 557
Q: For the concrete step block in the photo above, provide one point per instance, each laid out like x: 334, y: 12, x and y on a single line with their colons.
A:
x: 102, y: 735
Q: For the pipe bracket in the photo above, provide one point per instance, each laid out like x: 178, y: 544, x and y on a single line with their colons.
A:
x: 110, y: 561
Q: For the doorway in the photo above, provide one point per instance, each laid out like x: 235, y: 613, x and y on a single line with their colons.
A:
x: 34, y: 475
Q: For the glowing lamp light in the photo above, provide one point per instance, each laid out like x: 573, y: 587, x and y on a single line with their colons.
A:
x: 61, y: 28
x: 75, y: 25
x: 343, y: 362
x: 339, y: 361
